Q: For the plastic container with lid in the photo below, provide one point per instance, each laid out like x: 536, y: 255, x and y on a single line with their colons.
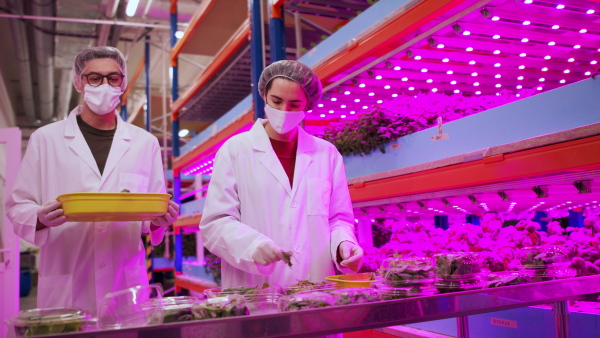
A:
x: 507, y: 278
x: 444, y: 286
x: 388, y: 292
x: 178, y: 309
x: 309, y: 286
x: 355, y: 296
x: 457, y: 266
x: 305, y: 300
x: 540, y: 257
x: 545, y: 263
x: 220, y: 307
x: 264, y: 303
x: 247, y: 291
x: 137, y: 306
x: 409, y: 271
x: 58, y: 320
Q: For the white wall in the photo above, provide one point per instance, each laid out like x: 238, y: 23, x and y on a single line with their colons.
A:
x: 10, y: 158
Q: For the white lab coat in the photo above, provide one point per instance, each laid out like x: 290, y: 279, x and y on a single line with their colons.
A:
x: 250, y: 201
x: 80, y: 262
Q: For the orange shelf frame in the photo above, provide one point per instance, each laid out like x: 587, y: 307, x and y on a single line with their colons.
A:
x: 203, y: 10
x: 133, y: 80
x: 184, y: 221
x: 194, y: 284
x: 375, y: 44
x: 386, y: 38
x: 577, y: 155
x: 212, y: 145
x: 240, y: 37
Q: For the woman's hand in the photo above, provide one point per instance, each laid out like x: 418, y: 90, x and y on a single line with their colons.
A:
x: 267, y: 253
x: 50, y: 214
x: 169, y: 218
x: 351, y: 255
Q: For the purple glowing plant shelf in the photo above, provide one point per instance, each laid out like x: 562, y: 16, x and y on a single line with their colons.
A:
x: 371, y: 315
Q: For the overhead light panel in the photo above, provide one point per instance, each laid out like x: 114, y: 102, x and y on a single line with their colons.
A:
x: 131, y: 8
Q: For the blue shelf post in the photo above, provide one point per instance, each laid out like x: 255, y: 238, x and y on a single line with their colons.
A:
x: 473, y: 219
x: 147, y: 242
x: 124, y: 112
x: 276, y: 33
x: 256, y: 55
x: 576, y: 219
x: 441, y: 222
x: 147, y: 73
x: 175, y: 136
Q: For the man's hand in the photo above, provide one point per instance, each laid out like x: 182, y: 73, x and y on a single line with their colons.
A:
x: 267, y: 253
x: 351, y: 255
x: 50, y: 214
x: 169, y: 218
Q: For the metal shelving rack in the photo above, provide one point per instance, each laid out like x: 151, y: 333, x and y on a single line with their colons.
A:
x: 379, y: 314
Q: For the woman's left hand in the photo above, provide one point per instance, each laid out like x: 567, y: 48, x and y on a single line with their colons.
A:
x: 169, y: 218
x: 352, y: 256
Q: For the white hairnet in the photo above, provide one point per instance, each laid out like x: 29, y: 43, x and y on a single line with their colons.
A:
x: 82, y: 61
x: 294, y: 71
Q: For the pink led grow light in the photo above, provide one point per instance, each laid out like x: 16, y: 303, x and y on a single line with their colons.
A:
x: 500, y: 45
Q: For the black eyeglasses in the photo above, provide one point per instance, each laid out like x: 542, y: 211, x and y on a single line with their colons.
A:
x: 95, y: 79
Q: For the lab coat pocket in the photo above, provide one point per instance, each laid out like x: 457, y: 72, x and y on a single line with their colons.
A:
x: 133, y: 182
x: 55, y: 291
x: 318, y: 193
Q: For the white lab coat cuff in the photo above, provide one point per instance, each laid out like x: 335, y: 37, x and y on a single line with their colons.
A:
x: 40, y: 236
x: 253, y: 267
x: 339, y: 235
x: 24, y: 224
x: 157, y: 236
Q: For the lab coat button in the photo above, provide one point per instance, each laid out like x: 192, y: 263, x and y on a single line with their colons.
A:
x: 294, y: 205
x: 101, y: 266
x: 100, y: 229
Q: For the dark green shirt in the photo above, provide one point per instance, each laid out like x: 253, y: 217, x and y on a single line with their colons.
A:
x: 98, y: 140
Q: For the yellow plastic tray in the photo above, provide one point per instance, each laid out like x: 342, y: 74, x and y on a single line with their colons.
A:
x: 113, y: 207
x: 357, y: 280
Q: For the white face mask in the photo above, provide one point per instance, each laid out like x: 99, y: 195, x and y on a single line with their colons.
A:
x: 283, y: 121
x: 102, y: 99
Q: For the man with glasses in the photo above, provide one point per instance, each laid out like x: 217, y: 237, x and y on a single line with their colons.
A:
x: 93, y: 150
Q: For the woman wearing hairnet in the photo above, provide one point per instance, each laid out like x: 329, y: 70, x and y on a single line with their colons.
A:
x: 278, y: 189
x: 93, y: 150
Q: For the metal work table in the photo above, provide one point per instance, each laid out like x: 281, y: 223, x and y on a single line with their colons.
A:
x: 380, y: 314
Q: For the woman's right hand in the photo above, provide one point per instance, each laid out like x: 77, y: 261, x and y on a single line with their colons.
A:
x: 50, y: 214
x: 267, y: 253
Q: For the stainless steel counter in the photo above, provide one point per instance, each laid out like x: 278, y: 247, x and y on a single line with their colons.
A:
x: 380, y: 314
